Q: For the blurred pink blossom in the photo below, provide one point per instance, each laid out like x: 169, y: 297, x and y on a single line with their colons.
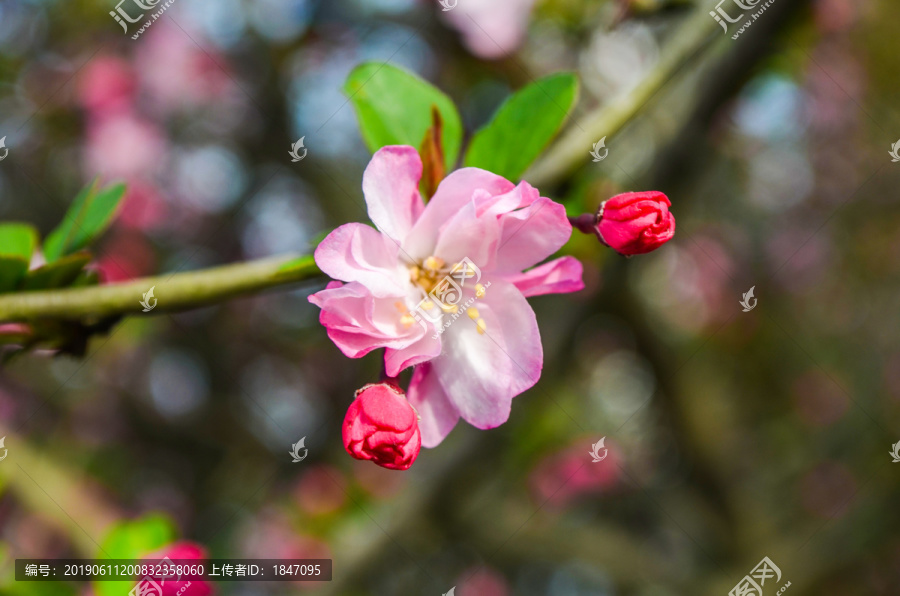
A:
x: 176, y: 72
x: 564, y: 477
x: 124, y: 257
x: 482, y: 581
x: 143, y: 206
x: 835, y: 15
x: 123, y: 146
x: 106, y: 85
x: 491, y: 28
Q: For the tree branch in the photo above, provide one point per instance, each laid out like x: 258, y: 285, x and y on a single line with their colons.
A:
x: 571, y: 150
x: 178, y: 292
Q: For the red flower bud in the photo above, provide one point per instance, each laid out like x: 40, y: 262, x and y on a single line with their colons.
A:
x: 383, y: 427
x: 635, y: 223
x: 172, y: 585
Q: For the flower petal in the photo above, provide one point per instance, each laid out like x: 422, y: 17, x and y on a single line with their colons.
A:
x: 482, y: 372
x: 532, y: 234
x: 521, y: 196
x: 560, y: 276
x: 358, y: 321
x: 391, y: 187
x: 437, y: 416
x: 426, y: 348
x: 357, y: 252
x: 454, y: 191
x: 466, y: 235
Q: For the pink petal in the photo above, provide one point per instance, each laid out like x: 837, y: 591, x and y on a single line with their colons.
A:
x: 437, y: 415
x: 491, y: 29
x: 455, y: 191
x: 521, y: 196
x: 391, y: 187
x: 466, y: 235
x: 357, y: 252
x: 359, y: 322
x: 532, y: 234
x: 426, y: 348
x: 481, y: 373
x: 560, y: 276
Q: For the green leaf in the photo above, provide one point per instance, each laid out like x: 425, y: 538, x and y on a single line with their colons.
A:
x: 17, y: 242
x: 90, y: 214
x: 523, y: 126
x: 394, y: 108
x: 57, y: 274
x: 133, y: 539
x: 17, y: 239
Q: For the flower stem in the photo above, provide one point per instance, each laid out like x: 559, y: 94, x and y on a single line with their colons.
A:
x: 585, y: 223
x: 172, y: 292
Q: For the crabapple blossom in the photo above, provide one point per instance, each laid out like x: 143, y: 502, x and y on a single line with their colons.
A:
x: 443, y: 286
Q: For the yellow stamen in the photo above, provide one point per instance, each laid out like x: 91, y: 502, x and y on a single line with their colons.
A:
x: 452, y: 308
x: 472, y: 312
x: 482, y: 326
x: 428, y: 305
x: 407, y: 320
x: 433, y: 263
x: 479, y: 290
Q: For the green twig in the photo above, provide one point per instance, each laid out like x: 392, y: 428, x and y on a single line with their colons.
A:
x: 178, y: 292
x: 572, y: 149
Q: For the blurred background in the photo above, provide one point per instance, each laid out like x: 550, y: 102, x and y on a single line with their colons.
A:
x: 732, y: 436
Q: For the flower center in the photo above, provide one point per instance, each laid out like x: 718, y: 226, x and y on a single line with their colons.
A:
x: 427, y: 274
x: 442, y: 286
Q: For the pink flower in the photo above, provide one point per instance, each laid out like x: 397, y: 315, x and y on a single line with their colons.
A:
x: 635, y: 223
x: 176, y: 72
x: 491, y: 28
x: 381, y: 426
x: 124, y: 146
x: 561, y: 478
x: 106, y: 85
x: 479, y: 352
